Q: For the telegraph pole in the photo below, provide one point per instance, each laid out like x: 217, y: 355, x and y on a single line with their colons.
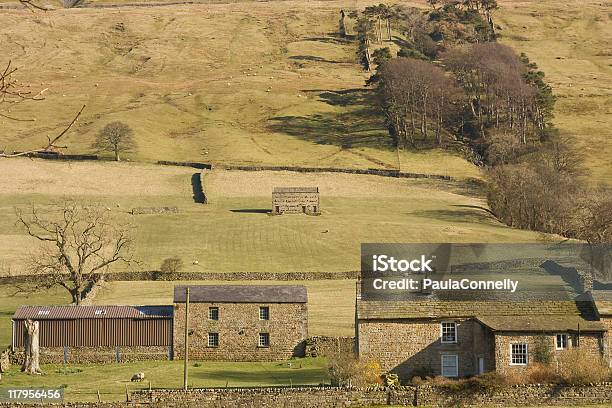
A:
x: 186, y: 360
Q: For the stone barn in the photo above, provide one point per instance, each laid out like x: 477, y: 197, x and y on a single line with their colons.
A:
x: 296, y: 200
x: 241, y: 322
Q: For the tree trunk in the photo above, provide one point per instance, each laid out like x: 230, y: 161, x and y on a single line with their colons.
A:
x: 117, y: 154
x: 31, y: 364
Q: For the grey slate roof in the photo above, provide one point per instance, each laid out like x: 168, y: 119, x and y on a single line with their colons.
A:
x: 603, y: 301
x: 242, y: 293
x: 295, y: 190
x: 541, y: 324
x: 92, y: 312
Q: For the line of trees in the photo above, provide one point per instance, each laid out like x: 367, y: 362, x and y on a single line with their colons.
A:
x: 453, y: 85
x: 417, y: 98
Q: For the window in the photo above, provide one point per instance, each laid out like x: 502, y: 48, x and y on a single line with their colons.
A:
x: 561, y: 342
x: 264, y: 313
x: 264, y: 340
x: 213, y: 313
x: 449, y: 332
x: 213, y: 339
x: 518, y: 354
x: 450, y: 365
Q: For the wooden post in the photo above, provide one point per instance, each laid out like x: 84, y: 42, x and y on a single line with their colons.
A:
x: 127, y: 394
x: 99, y: 399
x: 186, y: 359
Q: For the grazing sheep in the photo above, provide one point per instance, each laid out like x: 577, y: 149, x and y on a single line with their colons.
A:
x: 138, y: 377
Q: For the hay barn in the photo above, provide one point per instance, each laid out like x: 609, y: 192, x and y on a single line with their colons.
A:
x: 296, y: 200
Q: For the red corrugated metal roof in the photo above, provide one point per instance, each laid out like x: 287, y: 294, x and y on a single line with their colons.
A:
x: 92, y: 312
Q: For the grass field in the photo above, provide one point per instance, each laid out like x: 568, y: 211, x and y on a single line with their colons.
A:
x: 81, y: 382
x: 234, y: 232
x: 570, y: 42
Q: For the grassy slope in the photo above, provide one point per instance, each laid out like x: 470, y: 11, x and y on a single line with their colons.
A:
x: 233, y: 233
x: 570, y: 41
x: 83, y: 381
x: 239, y: 83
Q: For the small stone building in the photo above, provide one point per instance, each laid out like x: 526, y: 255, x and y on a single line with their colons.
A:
x: 241, y: 322
x: 88, y: 334
x: 296, y: 200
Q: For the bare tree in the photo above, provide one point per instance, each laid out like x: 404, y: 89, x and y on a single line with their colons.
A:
x: 80, y: 243
x: 116, y: 137
x: 11, y: 93
x: 31, y: 363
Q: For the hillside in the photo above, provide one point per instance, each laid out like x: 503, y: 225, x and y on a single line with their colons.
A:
x: 570, y: 42
x: 233, y: 232
x: 237, y: 83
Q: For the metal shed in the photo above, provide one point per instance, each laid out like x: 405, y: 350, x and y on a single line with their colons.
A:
x: 96, y: 326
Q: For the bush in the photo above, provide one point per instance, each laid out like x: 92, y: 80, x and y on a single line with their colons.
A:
x: 422, y: 372
x: 345, y: 370
x: 171, y: 265
x: 579, y: 367
x: 539, y: 373
x: 542, y: 351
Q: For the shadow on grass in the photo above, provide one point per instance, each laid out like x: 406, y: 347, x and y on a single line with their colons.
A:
x: 196, y: 186
x: 359, y: 125
x: 252, y: 211
x: 458, y: 216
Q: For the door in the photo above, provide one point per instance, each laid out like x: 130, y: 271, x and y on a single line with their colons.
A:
x: 481, y: 367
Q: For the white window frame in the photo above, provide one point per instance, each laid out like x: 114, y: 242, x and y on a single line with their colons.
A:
x: 442, y: 332
x: 267, y: 308
x: 526, y: 354
x: 456, y: 373
x: 208, y: 338
x: 566, y: 341
x: 259, y: 337
x: 210, y: 309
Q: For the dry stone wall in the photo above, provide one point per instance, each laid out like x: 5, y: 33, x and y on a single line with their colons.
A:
x: 324, y: 397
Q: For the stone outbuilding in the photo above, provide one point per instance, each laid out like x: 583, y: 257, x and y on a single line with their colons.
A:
x: 296, y: 200
x: 242, y: 322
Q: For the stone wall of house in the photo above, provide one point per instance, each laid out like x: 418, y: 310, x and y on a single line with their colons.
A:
x: 239, y: 327
x: 414, y: 347
x: 318, y: 346
x: 588, y: 341
x: 294, y: 202
x: 80, y: 355
x: 607, y: 322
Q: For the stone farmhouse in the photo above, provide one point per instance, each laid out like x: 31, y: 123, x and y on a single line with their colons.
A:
x: 242, y: 322
x: 296, y: 200
x: 227, y: 322
x: 433, y: 335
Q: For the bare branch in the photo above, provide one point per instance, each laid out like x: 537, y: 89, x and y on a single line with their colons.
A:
x: 52, y: 143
